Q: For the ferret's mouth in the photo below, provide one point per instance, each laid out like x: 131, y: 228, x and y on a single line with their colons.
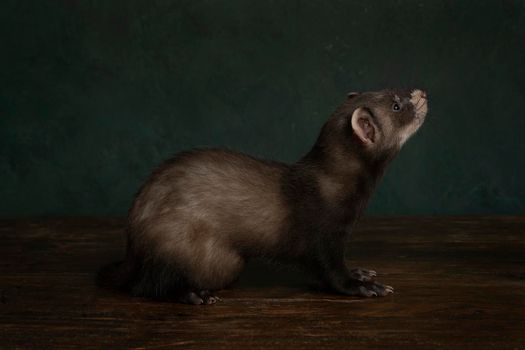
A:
x: 418, y: 98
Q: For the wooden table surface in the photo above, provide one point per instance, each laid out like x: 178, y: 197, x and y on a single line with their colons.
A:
x: 459, y: 281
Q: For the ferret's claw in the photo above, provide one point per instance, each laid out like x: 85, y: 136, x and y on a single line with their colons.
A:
x: 208, y: 298
x: 380, y: 289
x: 363, y: 275
x: 371, y: 273
x: 202, y: 297
x: 365, y: 292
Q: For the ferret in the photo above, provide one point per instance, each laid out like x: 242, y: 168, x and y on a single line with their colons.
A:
x: 203, y: 213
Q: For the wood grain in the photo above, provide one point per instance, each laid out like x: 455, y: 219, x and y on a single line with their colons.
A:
x: 460, y: 283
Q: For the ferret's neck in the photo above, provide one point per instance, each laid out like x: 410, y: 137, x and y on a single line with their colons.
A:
x: 348, y: 160
x: 344, y: 177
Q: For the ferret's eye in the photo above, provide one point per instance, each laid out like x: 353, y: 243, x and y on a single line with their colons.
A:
x: 396, y: 107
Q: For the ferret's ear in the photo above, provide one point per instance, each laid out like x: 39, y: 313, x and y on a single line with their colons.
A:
x: 364, y: 126
x: 352, y: 94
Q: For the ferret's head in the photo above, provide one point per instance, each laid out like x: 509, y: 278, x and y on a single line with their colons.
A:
x: 383, y: 120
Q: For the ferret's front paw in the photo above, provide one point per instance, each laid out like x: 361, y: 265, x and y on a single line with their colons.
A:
x: 363, y: 275
x: 374, y: 289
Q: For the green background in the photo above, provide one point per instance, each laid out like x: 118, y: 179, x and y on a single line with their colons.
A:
x: 94, y: 94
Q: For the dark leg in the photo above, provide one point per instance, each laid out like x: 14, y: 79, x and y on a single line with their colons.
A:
x: 359, y: 282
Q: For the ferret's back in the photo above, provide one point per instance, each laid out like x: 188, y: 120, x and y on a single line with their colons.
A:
x: 216, y: 192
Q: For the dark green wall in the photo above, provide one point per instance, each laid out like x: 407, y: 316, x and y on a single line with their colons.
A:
x: 96, y: 93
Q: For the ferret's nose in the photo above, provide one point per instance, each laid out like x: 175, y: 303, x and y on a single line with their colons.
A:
x: 419, y: 93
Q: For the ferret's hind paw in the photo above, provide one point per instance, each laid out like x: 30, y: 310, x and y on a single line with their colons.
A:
x: 208, y: 297
x: 191, y: 298
x: 202, y: 297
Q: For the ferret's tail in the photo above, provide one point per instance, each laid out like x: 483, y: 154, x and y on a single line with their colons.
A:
x: 117, y: 275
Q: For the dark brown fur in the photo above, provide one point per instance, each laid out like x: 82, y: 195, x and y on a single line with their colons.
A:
x: 203, y: 213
